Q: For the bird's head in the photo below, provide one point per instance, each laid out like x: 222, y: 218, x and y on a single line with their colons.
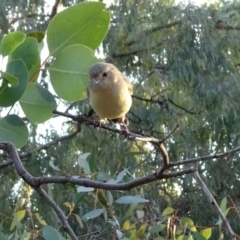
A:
x: 102, y: 71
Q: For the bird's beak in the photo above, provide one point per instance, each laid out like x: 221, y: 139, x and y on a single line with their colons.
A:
x: 95, y: 81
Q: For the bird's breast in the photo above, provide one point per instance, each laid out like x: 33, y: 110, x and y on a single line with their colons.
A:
x: 110, y: 100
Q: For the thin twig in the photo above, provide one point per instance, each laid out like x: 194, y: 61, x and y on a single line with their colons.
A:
x: 45, y: 146
x: 213, y: 202
x: 170, y: 133
x: 59, y: 212
x: 152, y: 30
x: 205, y: 158
x: 151, y: 100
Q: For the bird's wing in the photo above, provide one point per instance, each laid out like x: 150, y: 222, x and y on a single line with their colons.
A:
x: 129, y: 85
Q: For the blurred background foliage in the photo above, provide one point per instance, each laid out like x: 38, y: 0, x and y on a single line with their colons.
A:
x: 183, y: 61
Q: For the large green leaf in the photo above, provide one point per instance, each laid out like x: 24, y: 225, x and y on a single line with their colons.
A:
x: 118, y: 178
x: 28, y: 51
x: 37, y: 103
x: 50, y: 233
x: 207, y: 232
x: 18, y: 216
x: 69, y: 72
x: 10, y: 42
x: 188, y: 223
x: 92, y: 214
x: 10, y: 94
x: 85, y: 23
x: 10, y: 78
x: 131, y: 199
x: 168, y: 211
x: 83, y: 163
x: 13, y: 129
x: 199, y: 236
x: 3, y: 237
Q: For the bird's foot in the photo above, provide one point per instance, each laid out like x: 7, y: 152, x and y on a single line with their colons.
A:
x: 98, y: 123
x: 125, y: 131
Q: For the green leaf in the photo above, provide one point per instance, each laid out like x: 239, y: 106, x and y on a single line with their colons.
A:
x: 119, y: 177
x: 10, y: 42
x: 102, y: 177
x: 141, y: 231
x: 168, y: 211
x: 84, y: 189
x: 18, y: 216
x: 20, y: 203
x: 3, y: 237
x: 207, y: 233
x: 53, y: 166
x: 82, y: 162
x: 223, y: 204
x: 40, y: 220
x: 198, y: 236
x: 85, y: 23
x: 131, y: 199
x: 13, y: 129
x: 188, y: 223
x: 38, y: 35
x: 37, y: 103
x: 79, y: 220
x: 25, y: 236
x: 69, y: 205
x: 224, y: 209
x: 157, y: 228
x: 140, y: 213
x: 184, y: 237
x: 28, y: 51
x: 50, y: 233
x: 102, y: 198
x: 10, y: 94
x: 225, y: 212
x: 110, y: 198
x: 126, y: 225
x: 10, y: 78
x: 119, y: 234
x: 69, y: 72
x: 92, y: 214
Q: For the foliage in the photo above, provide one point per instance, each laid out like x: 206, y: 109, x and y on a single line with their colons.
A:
x: 184, y: 65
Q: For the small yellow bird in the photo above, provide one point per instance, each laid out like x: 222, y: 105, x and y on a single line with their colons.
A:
x: 109, y: 92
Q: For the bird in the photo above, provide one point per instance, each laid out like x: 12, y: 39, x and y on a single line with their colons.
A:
x: 109, y: 92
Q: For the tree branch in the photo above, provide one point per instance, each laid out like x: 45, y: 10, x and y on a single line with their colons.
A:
x: 33, y: 182
x: 149, y: 31
x: 205, y: 158
x: 161, y: 103
x: 125, y: 54
x: 223, y: 26
x: 45, y: 146
x: 59, y: 212
x: 213, y: 202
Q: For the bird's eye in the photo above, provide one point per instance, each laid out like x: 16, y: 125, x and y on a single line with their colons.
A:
x: 104, y: 74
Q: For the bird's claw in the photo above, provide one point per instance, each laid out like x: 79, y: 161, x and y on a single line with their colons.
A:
x: 125, y: 131
x: 97, y: 124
